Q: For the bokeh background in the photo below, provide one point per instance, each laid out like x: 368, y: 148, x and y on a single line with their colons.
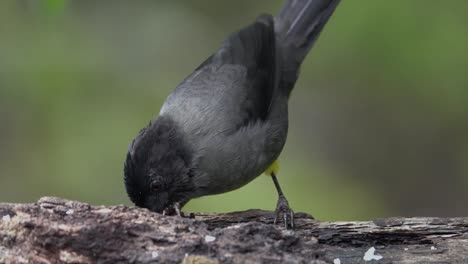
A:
x: 378, y: 119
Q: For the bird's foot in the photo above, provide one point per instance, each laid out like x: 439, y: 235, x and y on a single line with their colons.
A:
x: 174, y: 210
x: 284, y: 213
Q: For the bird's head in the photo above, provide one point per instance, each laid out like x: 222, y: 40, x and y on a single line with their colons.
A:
x: 158, y: 171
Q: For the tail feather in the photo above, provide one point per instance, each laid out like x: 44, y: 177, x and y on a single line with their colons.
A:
x: 297, y: 27
x: 300, y: 22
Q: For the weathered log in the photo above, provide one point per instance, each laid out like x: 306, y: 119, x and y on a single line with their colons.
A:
x: 55, y: 230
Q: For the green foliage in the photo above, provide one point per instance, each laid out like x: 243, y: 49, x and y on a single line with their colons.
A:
x: 53, y: 7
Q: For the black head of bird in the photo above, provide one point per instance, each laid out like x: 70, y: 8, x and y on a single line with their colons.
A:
x: 158, y: 172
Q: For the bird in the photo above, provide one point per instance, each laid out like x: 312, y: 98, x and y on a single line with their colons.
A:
x: 227, y: 122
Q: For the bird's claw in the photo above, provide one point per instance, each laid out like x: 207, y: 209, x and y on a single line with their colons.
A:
x: 173, y: 209
x: 284, y: 213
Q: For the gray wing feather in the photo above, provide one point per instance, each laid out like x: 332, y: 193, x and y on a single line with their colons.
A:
x: 232, y: 88
x: 213, y: 100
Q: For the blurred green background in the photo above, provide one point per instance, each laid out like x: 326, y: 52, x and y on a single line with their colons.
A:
x: 378, y: 119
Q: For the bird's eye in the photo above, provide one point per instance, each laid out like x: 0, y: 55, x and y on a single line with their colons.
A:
x: 155, y: 186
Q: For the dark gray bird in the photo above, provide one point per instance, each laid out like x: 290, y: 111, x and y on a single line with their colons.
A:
x: 227, y: 122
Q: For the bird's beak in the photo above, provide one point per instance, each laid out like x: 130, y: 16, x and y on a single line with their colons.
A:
x: 157, y: 202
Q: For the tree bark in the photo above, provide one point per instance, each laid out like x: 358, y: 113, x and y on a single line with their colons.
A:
x: 55, y: 230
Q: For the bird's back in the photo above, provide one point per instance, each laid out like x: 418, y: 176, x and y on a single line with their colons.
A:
x: 230, y: 89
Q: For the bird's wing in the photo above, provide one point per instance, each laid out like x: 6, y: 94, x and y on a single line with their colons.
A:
x: 232, y: 88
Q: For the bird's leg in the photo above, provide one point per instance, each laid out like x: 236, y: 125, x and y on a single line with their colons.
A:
x: 283, y: 211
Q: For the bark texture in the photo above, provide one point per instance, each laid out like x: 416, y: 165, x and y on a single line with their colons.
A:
x: 55, y: 230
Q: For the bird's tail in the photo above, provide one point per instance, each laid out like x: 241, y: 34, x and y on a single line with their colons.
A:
x: 300, y: 22
x: 297, y: 27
